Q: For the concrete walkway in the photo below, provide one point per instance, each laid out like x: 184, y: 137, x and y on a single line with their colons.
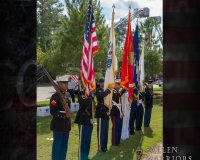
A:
x: 155, y: 153
x: 45, y: 93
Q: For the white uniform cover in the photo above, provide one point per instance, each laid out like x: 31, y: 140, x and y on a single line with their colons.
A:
x: 126, y: 110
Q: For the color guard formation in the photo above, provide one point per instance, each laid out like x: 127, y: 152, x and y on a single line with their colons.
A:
x: 123, y: 100
x: 61, y: 124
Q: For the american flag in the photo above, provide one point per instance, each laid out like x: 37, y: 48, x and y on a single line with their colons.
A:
x: 75, y: 79
x: 89, y: 49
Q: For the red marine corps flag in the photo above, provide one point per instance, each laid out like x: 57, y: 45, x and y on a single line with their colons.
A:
x: 89, y: 49
x: 128, y: 62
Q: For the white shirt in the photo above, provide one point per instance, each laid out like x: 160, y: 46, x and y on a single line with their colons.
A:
x: 71, y: 85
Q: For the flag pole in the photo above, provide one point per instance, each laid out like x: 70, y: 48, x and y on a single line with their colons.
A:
x: 91, y: 13
x: 113, y: 36
x: 87, y: 85
x: 124, y: 96
x: 128, y: 60
x: 113, y: 68
x: 142, y: 63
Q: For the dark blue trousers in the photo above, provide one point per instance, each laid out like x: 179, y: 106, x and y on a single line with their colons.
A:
x: 132, y: 117
x: 60, y: 145
x: 147, y: 117
x: 139, y: 117
x: 85, y: 133
x: 71, y: 92
x: 102, y: 134
x: 116, y: 130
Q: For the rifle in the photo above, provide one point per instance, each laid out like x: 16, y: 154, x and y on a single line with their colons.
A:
x: 63, y: 100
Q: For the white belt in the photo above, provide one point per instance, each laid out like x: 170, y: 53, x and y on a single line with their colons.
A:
x: 140, y: 101
x: 62, y: 111
x: 118, y: 106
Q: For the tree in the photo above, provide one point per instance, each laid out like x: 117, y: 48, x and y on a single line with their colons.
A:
x: 48, y: 20
x: 147, y: 35
x: 152, y: 51
x: 68, y: 40
x: 120, y: 34
x: 119, y: 59
x: 41, y: 57
x: 153, y: 62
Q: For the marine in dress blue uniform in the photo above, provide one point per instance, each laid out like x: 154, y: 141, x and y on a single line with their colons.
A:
x: 102, y: 115
x: 60, y: 123
x: 133, y: 111
x: 148, y: 103
x: 84, y: 120
x: 140, y: 111
x: 116, y: 114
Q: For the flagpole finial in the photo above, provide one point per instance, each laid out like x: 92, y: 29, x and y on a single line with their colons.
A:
x: 113, y: 7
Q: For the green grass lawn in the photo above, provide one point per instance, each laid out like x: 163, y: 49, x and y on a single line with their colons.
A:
x: 158, y: 90
x: 43, y: 103
x: 147, y: 138
x: 46, y: 103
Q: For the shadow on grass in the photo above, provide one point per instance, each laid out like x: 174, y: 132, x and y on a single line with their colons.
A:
x: 158, y: 102
x: 127, y: 148
x: 43, y: 124
x: 148, y: 132
x: 125, y: 151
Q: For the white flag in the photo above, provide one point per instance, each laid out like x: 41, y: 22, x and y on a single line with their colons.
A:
x: 111, y: 65
x: 142, y: 76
